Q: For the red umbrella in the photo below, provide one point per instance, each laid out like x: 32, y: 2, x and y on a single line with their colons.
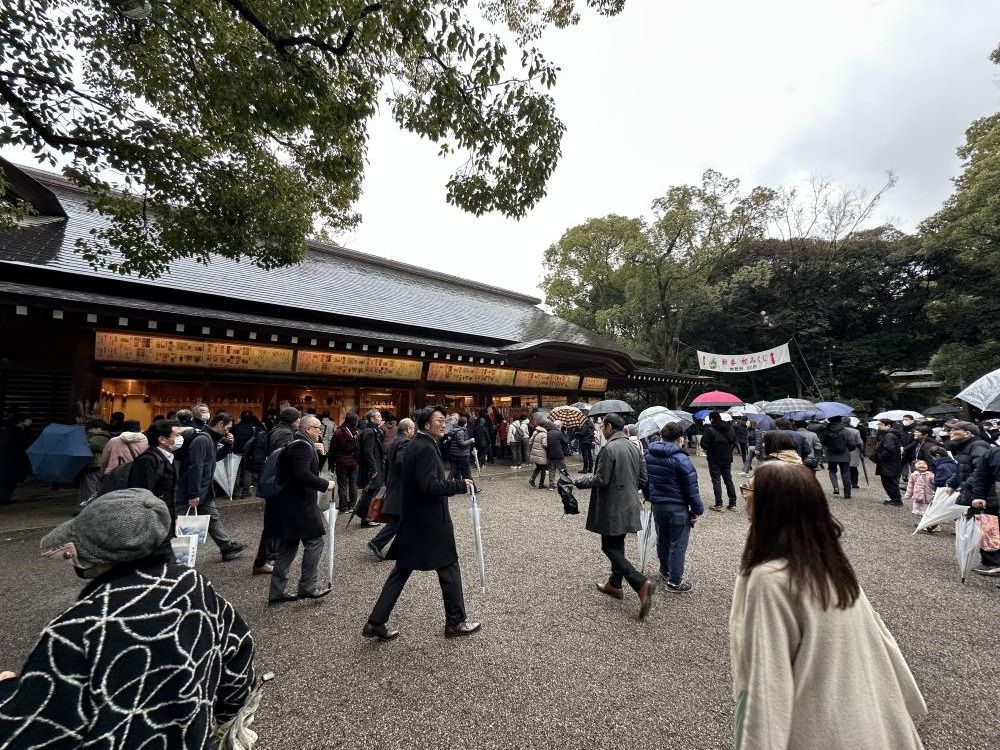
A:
x: 717, y: 399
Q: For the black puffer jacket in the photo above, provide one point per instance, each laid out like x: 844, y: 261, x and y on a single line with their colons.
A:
x: 557, y: 444
x: 968, y: 455
x: 718, y: 443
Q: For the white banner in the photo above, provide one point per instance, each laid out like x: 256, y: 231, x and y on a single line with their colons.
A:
x: 744, y: 362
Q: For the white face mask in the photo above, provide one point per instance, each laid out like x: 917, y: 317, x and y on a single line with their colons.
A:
x: 178, y: 442
x: 907, y: 422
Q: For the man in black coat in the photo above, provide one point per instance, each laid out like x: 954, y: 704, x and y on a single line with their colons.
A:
x: 393, y: 505
x: 426, y: 538
x: 279, y: 436
x: 154, y: 468
x: 719, y: 442
x: 889, y: 461
x: 556, y: 450
x: 371, y: 463
x: 586, y: 434
x: 293, y: 516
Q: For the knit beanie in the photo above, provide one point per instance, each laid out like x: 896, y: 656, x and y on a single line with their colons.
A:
x: 119, y: 526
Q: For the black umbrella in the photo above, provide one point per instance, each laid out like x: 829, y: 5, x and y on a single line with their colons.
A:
x: 564, y: 486
x: 942, y: 410
x: 612, y: 406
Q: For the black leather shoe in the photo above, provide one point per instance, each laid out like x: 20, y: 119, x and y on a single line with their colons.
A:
x: 232, y: 551
x: 315, y: 593
x: 646, y: 598
x: 378, y: 632
x: 282, y: 599
x: 612, y: 591
x: 463, y: 628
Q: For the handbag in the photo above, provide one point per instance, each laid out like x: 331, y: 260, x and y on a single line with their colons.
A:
x: 990, y: 528
x: 375, y: 514
x: 193, y: 525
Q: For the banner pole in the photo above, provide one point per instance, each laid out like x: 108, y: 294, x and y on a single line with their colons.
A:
x: 808, y: 369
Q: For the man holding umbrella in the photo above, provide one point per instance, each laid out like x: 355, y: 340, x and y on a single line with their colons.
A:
x: 618, y: 476
x: 426, y: 538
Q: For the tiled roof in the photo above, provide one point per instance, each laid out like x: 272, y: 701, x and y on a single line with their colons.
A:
x: 354, y: 289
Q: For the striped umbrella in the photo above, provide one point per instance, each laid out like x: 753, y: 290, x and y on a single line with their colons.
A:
x: 789, y: 406
x: 570, y: 416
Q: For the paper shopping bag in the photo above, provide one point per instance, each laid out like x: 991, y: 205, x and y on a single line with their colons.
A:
x: 193, y: 525
x: 185, y: 549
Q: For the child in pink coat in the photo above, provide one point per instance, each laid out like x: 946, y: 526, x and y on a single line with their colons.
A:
x: 920, y: 488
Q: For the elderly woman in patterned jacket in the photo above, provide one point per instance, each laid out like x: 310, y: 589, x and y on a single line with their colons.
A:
x: 148, y: 655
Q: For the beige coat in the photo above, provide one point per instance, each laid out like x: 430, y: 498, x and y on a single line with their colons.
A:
x: 540, y: 446
x: 806, y: 679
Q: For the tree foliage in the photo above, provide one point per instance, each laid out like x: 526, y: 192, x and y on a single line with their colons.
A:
x: 234, y: 126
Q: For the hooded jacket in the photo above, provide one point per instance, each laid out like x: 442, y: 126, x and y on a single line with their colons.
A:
x: 539, y: 446
x: 461, y: 444
x: 718, y: 443
x: 984, y: 479
x: 672, y: 477
x: 122, y: 449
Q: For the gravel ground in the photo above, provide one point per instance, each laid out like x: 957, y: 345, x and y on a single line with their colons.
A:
x: 557, y: 664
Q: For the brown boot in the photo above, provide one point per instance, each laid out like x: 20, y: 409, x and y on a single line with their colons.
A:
x: 646, y: 598
x: 612, y: 591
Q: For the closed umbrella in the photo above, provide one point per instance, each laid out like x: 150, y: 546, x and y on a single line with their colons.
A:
x: 827, y: 409
x: 943, y: 508
x: 478, y: 539
x: 646, y: 538
x: 717, y: 400
x: 785, y: 406
x: 227, y: 470
x: 984, y: 393
x: 967, y: 536
x: 564, y: 486
x: 570, y: 416
x: 60, y: 453
x: 894, y: 415
x: 331, y: 533
x: 611, y: 406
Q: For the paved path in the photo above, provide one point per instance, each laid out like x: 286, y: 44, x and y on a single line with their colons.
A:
x: 557, y: 665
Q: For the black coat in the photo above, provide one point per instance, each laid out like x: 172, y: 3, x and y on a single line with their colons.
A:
x: 888, y: 455
x: 969, y: 456
x: 557, y: 445
x: 393, y: 505
x: 718, y: 443
x: 151, y: 471
x: 294, y: 513
x: 371, y: 462
x: 426, y: 538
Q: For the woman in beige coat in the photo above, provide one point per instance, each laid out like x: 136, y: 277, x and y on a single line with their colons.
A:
x: 539, y: 451
x: 813, y: 664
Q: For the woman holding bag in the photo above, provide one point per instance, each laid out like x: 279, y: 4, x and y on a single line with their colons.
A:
x: 813, y: 664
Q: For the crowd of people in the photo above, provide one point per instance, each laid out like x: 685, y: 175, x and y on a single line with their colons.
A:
x: 795, y: 588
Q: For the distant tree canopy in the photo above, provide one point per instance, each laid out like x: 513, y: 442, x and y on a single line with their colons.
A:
x: 234, y: 126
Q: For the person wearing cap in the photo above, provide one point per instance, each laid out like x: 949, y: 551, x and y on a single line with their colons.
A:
x: 194, y: 485
x: 619, y: 474
x: 149, y: 655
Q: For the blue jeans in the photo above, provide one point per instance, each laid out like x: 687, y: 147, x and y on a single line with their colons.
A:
x: 673, y: 527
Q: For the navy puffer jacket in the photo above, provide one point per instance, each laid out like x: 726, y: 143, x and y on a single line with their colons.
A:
x: 672, y: 477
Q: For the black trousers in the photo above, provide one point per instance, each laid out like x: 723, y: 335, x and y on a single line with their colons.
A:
x: 267, y: 550
x: 854, y: 477
x: 743, y: 451
x: 891, y: 485
x: 450, y: 578
x: 367, y: 494
x: 460, y: 468
x: 614, y: 548
x: 844, y: 468
x: 387, y: 532
x: 347, y: 488
x: 722, y: 473
x: 587, y: 449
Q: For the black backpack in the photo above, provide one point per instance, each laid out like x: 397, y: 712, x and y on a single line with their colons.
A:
x: 445, y: 445
x: 836, y: 441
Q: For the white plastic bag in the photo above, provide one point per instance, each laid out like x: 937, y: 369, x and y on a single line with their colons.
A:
x: 193, y: 524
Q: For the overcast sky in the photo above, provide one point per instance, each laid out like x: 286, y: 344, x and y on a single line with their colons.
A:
x: 770, y: 92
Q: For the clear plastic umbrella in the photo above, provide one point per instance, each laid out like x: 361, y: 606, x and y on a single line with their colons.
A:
x: 478, y: 539
x: 744, y: 409
x: 227, y: 471
x: 651, y: 411
x: 943, y: 508
x: 646, y: 538
x: 894, y: 415
x: 331, y: 533
x: 967, y: 536
x: 984, y: 393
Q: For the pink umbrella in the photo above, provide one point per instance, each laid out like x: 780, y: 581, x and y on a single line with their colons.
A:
x: 717, y: 400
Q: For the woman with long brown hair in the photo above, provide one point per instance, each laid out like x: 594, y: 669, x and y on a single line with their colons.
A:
x: 813, y: 664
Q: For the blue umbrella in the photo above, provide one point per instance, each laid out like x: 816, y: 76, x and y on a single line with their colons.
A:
x: 763, y: 421
x: 797, y: 416
x: 60, y: 453
x: 702, y: 414
x: 827, y: 409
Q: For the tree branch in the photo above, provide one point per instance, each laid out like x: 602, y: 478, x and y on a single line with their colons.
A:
x: 282, y: 42
x: 33, y: 121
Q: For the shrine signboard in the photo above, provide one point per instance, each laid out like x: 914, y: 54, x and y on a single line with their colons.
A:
x: 546, y: 380
x: 444, y: 372
x: 357, y: 366
x: 174, y: 352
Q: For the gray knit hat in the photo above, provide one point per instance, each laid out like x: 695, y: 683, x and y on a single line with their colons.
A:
x: 116, y: 527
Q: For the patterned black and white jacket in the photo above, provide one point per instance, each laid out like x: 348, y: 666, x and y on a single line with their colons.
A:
x: 150, y: 656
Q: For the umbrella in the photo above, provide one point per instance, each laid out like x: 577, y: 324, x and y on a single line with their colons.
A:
x: 894, y: 415
x: 647, y: 537
x: 827, y: 409
x: 785, y: 406
x: 564, y: 486
x: 582, y: 406
x: 651, y: 426
x: 646, y: 413
x: 612, y: 406
x: 331, y: 532
x: 717, y: 399
x: 60, y: 453
x: 479, y: 469
x: 702, y: 414
x: 943, y: 508
x: 745, y: 409
x: 683, y: 418
x: 760, y: 405
x: 802, y: 416
x: 478, y: 539
x: 967, y: 536
x: 570, y: 416
x: 942, y: 410
x: 763, y: 421
x: 227, y: 471
x: 984, y: 393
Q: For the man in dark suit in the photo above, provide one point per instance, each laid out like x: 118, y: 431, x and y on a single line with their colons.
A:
x: 393, y: 505
x: 889, y: 461
x: 426, y: 538
x: 293, y: 516
x: 154, y: 469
